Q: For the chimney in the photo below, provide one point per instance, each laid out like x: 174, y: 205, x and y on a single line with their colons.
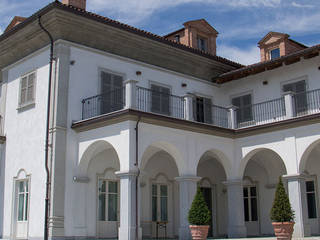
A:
x: 76, y: 3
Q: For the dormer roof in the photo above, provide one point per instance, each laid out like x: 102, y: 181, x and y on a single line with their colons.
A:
x: 201, y: 24
x: 273, y: 35
x: 15, y: 21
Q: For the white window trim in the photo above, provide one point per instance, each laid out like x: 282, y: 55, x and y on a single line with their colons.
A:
x: 30, y: 103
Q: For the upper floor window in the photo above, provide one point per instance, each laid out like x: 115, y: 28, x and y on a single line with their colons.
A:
x: 275, y: 53
x: 27, y: 89
x: 112, y: 94
x: 244, y: 111
x: 202, y: 43
x: 299, y: 89
x: 160, y: 99
x: 177, y: 38
x: 203, y: 110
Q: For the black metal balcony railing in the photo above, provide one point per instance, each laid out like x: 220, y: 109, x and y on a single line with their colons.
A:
x: 306, y: 103
x: 261, y: 113
x: 159, y: 102
x: 148, y: 100
x: 103, y: 103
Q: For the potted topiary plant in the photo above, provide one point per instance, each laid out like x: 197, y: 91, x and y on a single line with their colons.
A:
x: 282, y: 215
x: 199, y: 217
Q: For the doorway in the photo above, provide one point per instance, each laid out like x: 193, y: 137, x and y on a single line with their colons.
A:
x: 22, y: 209
x: 207, y: 194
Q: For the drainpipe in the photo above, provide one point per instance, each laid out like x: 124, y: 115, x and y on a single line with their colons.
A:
x: 47, y: 199
x: 136, y: 164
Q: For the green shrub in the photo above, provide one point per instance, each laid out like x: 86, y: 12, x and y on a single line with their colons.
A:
x: 199, y: 213
x: 281, y: 210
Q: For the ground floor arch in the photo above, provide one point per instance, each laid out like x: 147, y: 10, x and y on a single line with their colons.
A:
x: 213, y: 176
x: 259, y: 179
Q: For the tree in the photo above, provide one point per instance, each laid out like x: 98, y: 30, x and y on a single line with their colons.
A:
x: 281, y: 209
x: 199, y: 214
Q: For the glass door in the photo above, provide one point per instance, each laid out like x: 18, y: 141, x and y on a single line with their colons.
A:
x: 22, y: 205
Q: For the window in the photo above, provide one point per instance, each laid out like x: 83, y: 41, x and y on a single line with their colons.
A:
x: 244, y: 111
x: 299, y: 89
x: 112, y: 95
x: 250, y: 201
x: 27, y: 89
x: 160, y: 99
x: 311, y: 199
x: 275, y: 53
x: 177, y: 38
x: 108, y: 200
x: 203, y: 110
x: 23, y: 200
x: 159, y: 202
x: 202, y: 44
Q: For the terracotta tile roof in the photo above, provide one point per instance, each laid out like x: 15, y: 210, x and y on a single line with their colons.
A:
x: 15, y: 21
x: 268, y: 65
x: 114, y: 23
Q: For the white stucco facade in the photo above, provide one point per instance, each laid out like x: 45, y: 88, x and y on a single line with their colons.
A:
x: 168, y: 157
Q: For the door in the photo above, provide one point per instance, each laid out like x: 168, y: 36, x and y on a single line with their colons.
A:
x: 250, y: 201
x: 112, y: 94
x: 108, y: 208
x: 203, y: 110
x: 207, y: 194
x: 22, y: 205
x: 311, y: 195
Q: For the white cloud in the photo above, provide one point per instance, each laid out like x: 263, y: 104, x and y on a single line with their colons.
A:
x: 135, y: 11
x: 298, y: 5
x: 244, y: 56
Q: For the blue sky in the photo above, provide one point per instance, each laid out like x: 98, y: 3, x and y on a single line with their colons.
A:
x: 241, y: 23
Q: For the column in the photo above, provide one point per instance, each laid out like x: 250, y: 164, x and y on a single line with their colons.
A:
x: 289, y: 104
x: 233, y: 117
x: 236, y: 224
x: 128, y: 213
x: 187, y: 191
x: 298, y: 200
x: 130, y: 94
x: 188, y: 107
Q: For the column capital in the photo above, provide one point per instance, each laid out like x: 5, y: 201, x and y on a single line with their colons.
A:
x: 128, y: 173
x: 294, y: 177
x: 232, y: 107
x: 188, y: 178
x: 189, y: 95
x: 288, y: 93
x: 233, y: 182
x: 130, y: 81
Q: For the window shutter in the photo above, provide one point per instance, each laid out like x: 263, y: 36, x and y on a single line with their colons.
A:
x: 118, y: 92
x: 155, y: 99
x: 106, y: 88
x: 300, y: 87
x: 30, y: 90
x: 165, y: 100
x: 23, y: 90
x: 207, y: 110
x: 247, y: 108
x: 106, y: 83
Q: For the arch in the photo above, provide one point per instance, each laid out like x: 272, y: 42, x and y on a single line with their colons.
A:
x: 220, y: 157
x: 22, y: 174
x: 155, y: 148
x: 244, y: 161
x: 306, y: 154
x: 92, y: 150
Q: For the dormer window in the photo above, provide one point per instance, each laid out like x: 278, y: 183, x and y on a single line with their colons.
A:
x: 177, y: 38
x: 202, y: 44
x: 275, y: 53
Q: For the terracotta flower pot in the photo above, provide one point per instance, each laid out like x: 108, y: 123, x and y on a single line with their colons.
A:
x: 283, y: 230
x: 199, y: 232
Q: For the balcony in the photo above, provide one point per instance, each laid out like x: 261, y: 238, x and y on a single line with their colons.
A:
x: 289, y: 106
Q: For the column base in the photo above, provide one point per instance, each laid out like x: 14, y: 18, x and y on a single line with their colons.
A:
x: 184, y: 233
x: 237, y: 231
x: 129, y: 233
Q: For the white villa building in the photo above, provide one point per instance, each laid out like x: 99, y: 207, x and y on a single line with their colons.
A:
x: 138, y: 121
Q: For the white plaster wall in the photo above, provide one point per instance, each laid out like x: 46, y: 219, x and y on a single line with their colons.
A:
x: 2, y: 185
x: 25, y: 132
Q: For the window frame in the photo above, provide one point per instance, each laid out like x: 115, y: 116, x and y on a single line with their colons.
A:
x: 206, y: 43
x: 249, y: 197
x: 26, y: 203
x: 31, y: 102
x: 158, y: 198
x: 270, y: 53
x: 315, y: 192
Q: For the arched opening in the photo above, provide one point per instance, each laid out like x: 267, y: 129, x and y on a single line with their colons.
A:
x: 213, y: 175
x: 159, y: 193
x: 101, y: 195
x: 261, y: 173
x: 310, y: 167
